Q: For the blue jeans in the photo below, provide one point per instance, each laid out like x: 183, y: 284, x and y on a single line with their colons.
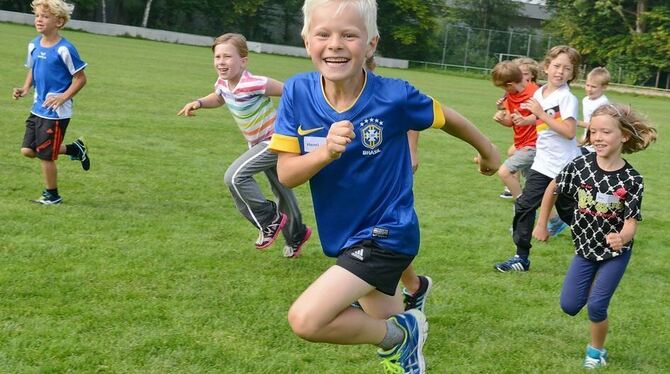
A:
x: 593, y: 283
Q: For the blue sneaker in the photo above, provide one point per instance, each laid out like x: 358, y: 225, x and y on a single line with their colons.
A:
x: 418, y: 299
x: 407, y: 357
x: 556, y: 226
x: 48, y: 198
x: 595, y: 358
x: 514, y: 263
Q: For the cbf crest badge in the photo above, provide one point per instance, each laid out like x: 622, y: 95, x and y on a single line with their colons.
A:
x: 371, y: 135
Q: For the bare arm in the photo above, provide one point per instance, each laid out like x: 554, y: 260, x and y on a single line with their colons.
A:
x: 413, y: 139
x: 617, y: 240
x: 18, y: 93
x: 78, y: 82
x: 274, y: 87
x: 548, y: 200
x: 210, y: 101
x: 294, y: 169
x: 567, y: 128
x: 503, y: 118
x: 462, y: 128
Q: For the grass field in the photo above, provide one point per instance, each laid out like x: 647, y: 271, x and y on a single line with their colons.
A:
x: 147, y: 267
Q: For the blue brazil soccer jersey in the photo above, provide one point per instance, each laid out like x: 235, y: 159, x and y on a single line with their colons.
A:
x: 367, y: 193
x: 53, y: 68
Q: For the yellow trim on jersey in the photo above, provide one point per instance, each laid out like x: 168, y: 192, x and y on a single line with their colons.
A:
x: 283, y: 143
x: 438, y: 115
x: 323, y: 92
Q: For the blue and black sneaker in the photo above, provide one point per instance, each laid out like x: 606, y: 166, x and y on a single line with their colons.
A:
x: 556, y: 226
x: 514, y: 263
x: 48, y: 198
x: 407, y: 357
x: 418, y: 299
x: 595, y: 358
x: 82, y: 154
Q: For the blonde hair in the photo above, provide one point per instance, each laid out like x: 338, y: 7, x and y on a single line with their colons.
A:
x: 366, y: 8
x: 506, y: 72
x: 573, y: 55
x: 58, y: 8
x: 600, y: 75
x: 237, y: 40
x: 529, y: 64
x: 640, y: 133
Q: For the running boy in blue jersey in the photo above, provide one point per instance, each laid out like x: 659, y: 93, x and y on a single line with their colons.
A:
x: 57, y: 73
x: 345, y: 130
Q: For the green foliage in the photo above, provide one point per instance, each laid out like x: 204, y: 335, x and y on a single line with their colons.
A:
x: 147, y: 267
x: 407, y: 28
x: 613, y: 33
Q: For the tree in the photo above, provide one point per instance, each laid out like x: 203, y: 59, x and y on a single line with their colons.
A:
x: 407, y: 28
x: 632, y: 34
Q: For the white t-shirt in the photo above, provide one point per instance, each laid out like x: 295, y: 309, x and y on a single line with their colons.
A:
x: 589, y: 106
x: 553, y: 151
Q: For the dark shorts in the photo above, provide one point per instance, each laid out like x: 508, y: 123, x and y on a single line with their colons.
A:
x: 376, y: 266
x: 44, y: 136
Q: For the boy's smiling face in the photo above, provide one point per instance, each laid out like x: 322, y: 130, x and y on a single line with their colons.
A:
x: 337, y: 42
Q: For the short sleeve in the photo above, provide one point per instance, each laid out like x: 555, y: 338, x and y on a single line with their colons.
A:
x: 29, y: 58
x: 633, y: 200
x: 564, y: 181
x: 70, y: 57
x: 285, y: 138
x: 422, y: 111
x: 568, y: 106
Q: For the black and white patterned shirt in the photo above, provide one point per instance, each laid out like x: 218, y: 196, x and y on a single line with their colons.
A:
x: 603, y: 201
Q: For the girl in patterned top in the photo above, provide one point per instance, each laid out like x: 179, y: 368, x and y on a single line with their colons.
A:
x: 606, y: 192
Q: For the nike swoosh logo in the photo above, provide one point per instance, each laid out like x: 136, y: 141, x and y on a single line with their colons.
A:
x: 302, y: 132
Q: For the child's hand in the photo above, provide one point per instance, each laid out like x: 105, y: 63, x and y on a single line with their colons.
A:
x: 489, y: 163
x: 188, y: 109
x: 18, y: 93
x: 534, y: 106
x: 340, y: 134
x: 615, y: 241
x: 53, y: 102
x: 541, y: 233
x: 500, y: 116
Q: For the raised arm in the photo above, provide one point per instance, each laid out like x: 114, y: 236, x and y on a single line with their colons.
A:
x: 294, y: 169
x: 460, y: 127
x: 567, y: 128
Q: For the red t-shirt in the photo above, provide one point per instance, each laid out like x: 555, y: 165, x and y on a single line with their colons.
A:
x: 524, y: 136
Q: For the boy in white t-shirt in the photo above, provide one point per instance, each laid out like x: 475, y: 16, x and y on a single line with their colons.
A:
x: 596, y: 84
x: 556, y: 110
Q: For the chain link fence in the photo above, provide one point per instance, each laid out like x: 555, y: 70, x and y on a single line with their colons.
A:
x: 472, y: 49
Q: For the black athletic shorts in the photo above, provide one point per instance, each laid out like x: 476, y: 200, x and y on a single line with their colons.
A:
x: 377, y: 266
x: 44, y: 136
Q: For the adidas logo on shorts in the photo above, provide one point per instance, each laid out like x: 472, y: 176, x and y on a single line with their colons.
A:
x: 357, y: 254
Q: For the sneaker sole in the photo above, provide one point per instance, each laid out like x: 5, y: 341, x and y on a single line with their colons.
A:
x: 308, y: 234
x: 85, y: 161
x: 282, y: 223
x: 46, y: 202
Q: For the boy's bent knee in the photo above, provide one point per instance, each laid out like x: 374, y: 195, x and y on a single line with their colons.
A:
x: 597, y: 313
x: 303, y: 324
x: 28, y: 152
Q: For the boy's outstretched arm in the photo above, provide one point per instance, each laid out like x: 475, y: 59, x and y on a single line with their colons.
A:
x: 294, y: 169
x: 210, y: 101
x: 18, y: 93
x: 460, y: 127
x: 548, y: 200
